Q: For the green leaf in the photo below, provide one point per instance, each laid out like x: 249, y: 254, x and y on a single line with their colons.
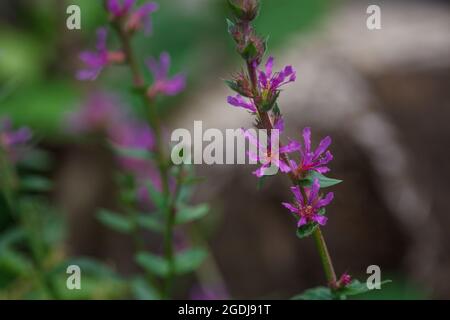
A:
x: 189, y: 214
x: 115, y: 221
x: 276, y: 110
x: 355, y: 288
x: 318, y: 293
x: 36, y: 184
x: 153, y: 264
x: 189, y: 260
x: 231, y: 26
x: 234, y: 86
x: 142, y: 290
x: 306, y: 230
x: 36, y: 160
x: 14, y: 262
x: 150, y: 222
x: 88, y: 266
x: 156, y: 197
x: 323, y: 180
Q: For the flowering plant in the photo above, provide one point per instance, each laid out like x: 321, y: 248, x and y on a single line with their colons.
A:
x: 258, y: 90
x: 154, y: 193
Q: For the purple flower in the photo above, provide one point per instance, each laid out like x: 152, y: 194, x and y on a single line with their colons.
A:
x: 95, y: 61
x: 134, y: 136
x: 135, y: 19
x: 239, y: 101
x: 162, y: 83
x: 266, y: 155
x: 270, y: 82
x: 344, y: 280
x: 309, y: 210
x: 12, y: 142
x: 100, y: 112
x: 312, y: 160
x: 141, y: 18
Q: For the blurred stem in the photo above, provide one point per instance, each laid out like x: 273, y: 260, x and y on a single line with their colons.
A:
x: 163, y: 164
x: 319, y: 239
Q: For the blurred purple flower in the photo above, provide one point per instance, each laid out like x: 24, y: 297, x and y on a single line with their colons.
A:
x: 239, y: 101
x: 136, y: 19
x: 308, y: 210
x: 119, y: 8
x: 140, y: 18
x: 162, y: 84
x: 12, y: 142
x: 100, y: 113
x: 312, y: 160
x: 95, y: 61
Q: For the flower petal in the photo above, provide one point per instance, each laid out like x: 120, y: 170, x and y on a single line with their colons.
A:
x: 290, y: 207
x: 301, y: 222
x: 323, y: 145
x: 307, y: 139
x: 314, y: 191
x: 322, y: 220
x: 298, y: 195
x: 291, y: 147
x: 325, y: 201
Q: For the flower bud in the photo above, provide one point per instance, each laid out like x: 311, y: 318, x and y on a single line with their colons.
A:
x: 244, y: 10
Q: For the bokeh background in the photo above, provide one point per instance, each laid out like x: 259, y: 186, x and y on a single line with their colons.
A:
x: 382, y: 95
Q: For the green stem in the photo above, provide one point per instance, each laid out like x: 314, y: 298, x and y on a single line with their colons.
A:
x: 325, y: 257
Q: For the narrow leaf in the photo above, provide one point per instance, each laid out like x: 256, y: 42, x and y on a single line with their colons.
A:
x: 153, y: 264
x: 115, y: 221
x: 189, y: 214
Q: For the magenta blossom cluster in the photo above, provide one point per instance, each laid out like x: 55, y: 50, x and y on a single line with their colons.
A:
x: 308, y: 210
x: 311, y: 159
x: 266, y: 154
x: 269, y: 85
x: 13, y: 142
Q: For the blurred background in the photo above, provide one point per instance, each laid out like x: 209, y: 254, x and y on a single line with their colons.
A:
x: 383, y: 96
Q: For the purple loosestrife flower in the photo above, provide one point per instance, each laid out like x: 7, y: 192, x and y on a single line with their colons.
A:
x: 308, y: 210
x: 162, y: 83
x: 95, y: 61
x: 312, y: 159
x: 13, y: 142
x: 266, y: 155
x: 270, y: 83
